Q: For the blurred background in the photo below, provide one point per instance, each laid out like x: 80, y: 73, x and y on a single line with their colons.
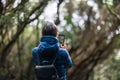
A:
x: 91, y: 27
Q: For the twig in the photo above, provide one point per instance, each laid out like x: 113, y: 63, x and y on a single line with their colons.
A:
x: 112, y: 12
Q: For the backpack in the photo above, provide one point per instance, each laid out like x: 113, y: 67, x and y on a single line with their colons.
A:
x: 45, y: 70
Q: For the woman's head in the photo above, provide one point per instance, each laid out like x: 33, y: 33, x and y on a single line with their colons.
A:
x: 49, y: 29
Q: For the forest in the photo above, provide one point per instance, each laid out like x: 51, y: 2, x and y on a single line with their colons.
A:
x: 91, y: 27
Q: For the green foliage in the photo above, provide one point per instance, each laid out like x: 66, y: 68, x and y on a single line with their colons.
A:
x: 18, y: 37
x: 8, y: 18
x: 109, y: 2
x: 118, y: 40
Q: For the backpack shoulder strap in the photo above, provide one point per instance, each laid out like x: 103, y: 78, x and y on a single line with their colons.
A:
x: 38, y: 57
x: 55, y: 57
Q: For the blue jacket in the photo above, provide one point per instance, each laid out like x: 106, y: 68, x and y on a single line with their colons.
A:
x: 47, y: 48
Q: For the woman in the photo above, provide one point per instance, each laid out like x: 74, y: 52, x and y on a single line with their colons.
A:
x: 49, y: 46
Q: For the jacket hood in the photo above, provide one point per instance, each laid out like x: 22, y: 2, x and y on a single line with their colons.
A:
x: 49, y: 46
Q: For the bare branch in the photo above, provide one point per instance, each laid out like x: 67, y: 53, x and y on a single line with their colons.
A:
x: 112, y: 12
x: 38, y: 9
x: 58, y: 7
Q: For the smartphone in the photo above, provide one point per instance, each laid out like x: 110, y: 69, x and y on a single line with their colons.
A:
x: 61, y: 38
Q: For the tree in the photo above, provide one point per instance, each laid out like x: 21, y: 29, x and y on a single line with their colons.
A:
x: 95, y: 38
x: 15, y: 16
x: 91, y: 27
